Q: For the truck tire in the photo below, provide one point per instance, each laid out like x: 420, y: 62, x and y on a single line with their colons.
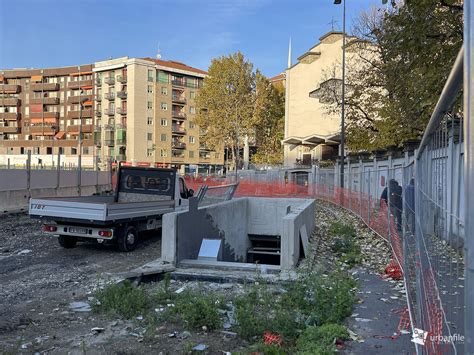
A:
x: 128, y: 239
x: 67, y: 241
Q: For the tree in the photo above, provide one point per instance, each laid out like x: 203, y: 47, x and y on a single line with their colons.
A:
x: 269, y: 120
x: 225, y: 103
x: 396, y: 70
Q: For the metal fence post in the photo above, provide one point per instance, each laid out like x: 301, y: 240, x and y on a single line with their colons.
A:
x: 469, y: 173
x: 368, y: 200
x: 28, y: 173
x: 58, y: 172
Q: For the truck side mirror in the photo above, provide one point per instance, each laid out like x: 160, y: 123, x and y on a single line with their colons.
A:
x: 190, y: 193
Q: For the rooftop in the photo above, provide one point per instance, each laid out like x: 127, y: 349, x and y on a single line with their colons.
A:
x: 176, y: 65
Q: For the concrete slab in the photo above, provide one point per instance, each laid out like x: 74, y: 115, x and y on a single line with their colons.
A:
x: 226, y: 265
x: 154, y: 267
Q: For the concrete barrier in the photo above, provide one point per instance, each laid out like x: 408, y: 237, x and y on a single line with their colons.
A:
x: 232, y: 222
x: 17, y: 200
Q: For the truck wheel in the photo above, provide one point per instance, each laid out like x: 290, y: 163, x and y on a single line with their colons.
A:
x: 128, y: 239
x: 67, y: 241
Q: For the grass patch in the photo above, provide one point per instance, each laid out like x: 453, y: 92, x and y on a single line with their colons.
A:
x: 344, y: 245
x: 122, y: 299
x: 197, y: 309
x: 321, y: 340
x: 313, y: 300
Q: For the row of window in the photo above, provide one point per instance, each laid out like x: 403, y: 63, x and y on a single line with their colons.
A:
x: 164, y: 138
x: 164, y: 153
x: 164, y: 107
x: 164, y: 122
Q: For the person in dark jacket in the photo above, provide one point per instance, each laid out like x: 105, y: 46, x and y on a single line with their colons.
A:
x: 396, y: 203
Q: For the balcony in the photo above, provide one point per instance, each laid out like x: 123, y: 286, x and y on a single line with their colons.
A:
x: 178, y: 99
x: 184, y: 83
x: 122, y: 94
x: 98, y: 113
x: 45, y: 101
x: 74, y: 129
x: 203, y: 147
x: 77, y: 99
x: 178, y: 114
x: 204, y: 156
x: 44, y: 115
x: 178, y: 129
x: 75, y: 114
x: 109, y: 111
x: 110, y: 142
x: 79, y: 84
x: 10, y: 88
x: 122, y: 110
x: 122, y: 79
x: 110, y: 96
x: 97, y: 136
x: 43, y: 130
x: 9, y: 129
x: 10, y: 101
x: 109, y: 128
x: 44, y: 86
x: 98, y: 82
x: 178, y: 145
x: 121, y: 140
x: 177, y: 155
x: 10, y: 116
x: 109, y: 80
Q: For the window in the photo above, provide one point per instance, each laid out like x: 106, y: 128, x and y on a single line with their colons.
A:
x: 164, y: 122
x: 49, y: 150
x: 163, y: 153
x: 149, y: 136
x: 150, y: 105
x: 149, y: 152
x: 73, y: 151
x: 163, y: 137
x: 150, y: 121
x: 162, y: 77
x: 192, y: 109
x: 164, y: 90
x: 150, y: 75
x: 192, y: 94
x: 192, y: 139
x: 61, y: 150
x: 191, y: 154
x: 150, y: 89
x: 164, y: 106
x: 191, y: 125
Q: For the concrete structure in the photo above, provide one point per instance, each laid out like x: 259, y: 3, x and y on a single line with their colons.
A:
x: 235, y: 222
x: 311, y: 133
x: 138, y: 110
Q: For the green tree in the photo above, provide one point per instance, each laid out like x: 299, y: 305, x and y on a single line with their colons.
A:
x: 396, y: 69
x: 225, y: 103
x: 269, y: 120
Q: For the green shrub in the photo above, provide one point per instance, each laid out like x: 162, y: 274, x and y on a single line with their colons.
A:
x: 122, y: 299
x: 198, y: 310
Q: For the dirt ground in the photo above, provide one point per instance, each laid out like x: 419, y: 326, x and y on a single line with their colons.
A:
x: 40, y: 280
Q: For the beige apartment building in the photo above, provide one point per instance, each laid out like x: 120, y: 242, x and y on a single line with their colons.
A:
x: 140, y: 111
x: 311, y: 133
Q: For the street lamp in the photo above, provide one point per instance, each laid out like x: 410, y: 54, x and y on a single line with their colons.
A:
x: 79, y: 165
x: 343, y: 128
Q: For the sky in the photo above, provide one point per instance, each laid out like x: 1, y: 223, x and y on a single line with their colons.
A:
x: 51, y: 33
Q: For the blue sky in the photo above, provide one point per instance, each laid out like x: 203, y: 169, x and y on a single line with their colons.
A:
x: 48, y: 33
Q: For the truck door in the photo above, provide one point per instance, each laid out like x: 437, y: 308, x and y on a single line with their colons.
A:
x: 184, y: 193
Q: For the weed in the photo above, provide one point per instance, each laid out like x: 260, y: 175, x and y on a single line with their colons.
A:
x: 163, y: 293
x: 122, y: 299
x: 320, y: 340
x: 338, y: 229
x: 198, y: 310
x: 261, y: 348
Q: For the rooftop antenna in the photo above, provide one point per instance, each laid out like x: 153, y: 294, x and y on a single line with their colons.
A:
x: 158, y: 52
x: 333, y: 24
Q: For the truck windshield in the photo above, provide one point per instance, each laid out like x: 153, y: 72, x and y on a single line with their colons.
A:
x: 150, y: 182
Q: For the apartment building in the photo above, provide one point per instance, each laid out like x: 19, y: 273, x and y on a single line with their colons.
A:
x: 39, y: 113
x: 138, y: 110
x: 145, y: 113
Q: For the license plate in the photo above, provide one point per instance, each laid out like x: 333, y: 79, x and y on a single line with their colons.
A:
x: 77, y: 230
